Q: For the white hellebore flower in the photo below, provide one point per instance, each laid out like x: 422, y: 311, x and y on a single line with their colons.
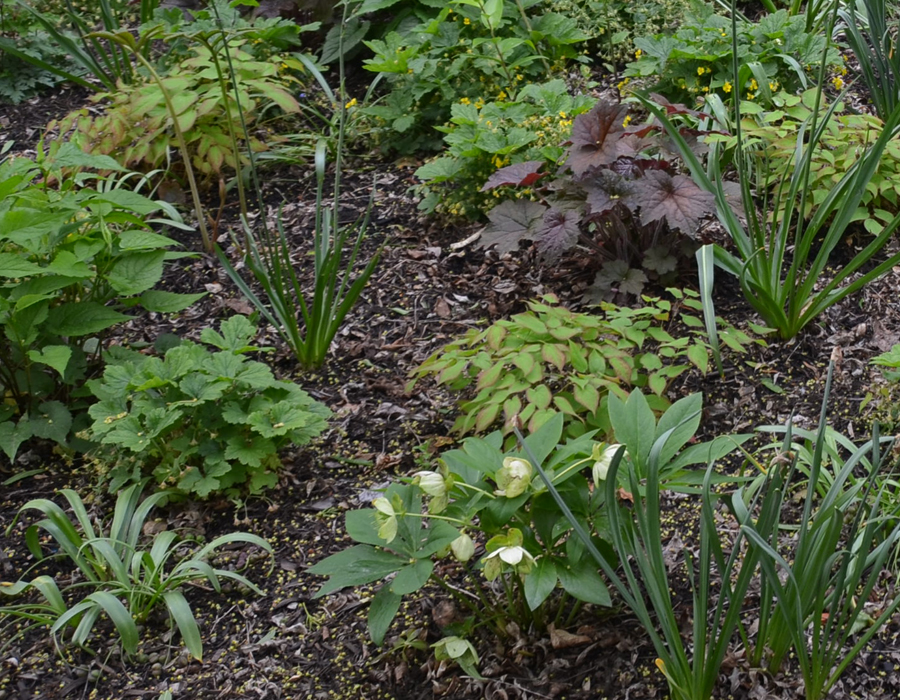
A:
x: 517, y: 557
x: 604, y: 457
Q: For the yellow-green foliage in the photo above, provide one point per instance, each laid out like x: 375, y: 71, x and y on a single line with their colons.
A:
x: 771, y: 136
x: 138, y: 127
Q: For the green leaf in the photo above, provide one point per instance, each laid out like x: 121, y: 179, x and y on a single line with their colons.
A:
x: 167, y: 302
x: 633, y: 424
x: 683, y: 417
x: 540, y: 582
x: 13, y: 265
x: 237, y: 332
x: 83, y: 318
x: 698, y: 355
x: 382, y: 611
x: 412, y: 577
x: 540, y: 396
x: 362, y: 526
x: 180, y: 611
x: 354, y: 567
x: 583, y: 581
x: 55, y: 356
x: 52, y: 422
x: 12, y: 435
x: 137, y: 272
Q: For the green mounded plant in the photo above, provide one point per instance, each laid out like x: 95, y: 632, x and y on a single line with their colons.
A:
x: 469, y: 50
x: 76, y: 250
x: 551, y: 360
x: 198, y: 422
x: 781, y: 259
x: 20, y: 79
x: 778, y: 51
x: 137, y: 127
x: 612, y: 25
x: 481, y: 493
x: 483, y: 137
x: 104, y: 60
x: 265, y: 38
x: 770, y: 140
x: 124, y: 577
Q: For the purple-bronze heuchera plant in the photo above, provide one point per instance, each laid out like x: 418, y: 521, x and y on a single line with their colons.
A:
x: 619, y: 194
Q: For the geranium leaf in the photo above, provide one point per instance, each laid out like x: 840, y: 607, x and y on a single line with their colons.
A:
x: 518, y: 175
x: 660, y: 259
x: 606, y: 191
x: 676, y: 199
x: 558, y: 233
x: 512, y: 221
x: 596, y: 137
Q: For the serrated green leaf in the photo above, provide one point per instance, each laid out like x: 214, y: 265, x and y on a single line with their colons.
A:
x: 134, y: 273
x: 167, y: 302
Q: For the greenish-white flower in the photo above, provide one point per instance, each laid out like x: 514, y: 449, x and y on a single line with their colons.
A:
x: 431, y: 483
x: 515, y: 556
x: 386, y: 518
x: 513, y: 477
x: 463, y: 548
x: 603, y: 456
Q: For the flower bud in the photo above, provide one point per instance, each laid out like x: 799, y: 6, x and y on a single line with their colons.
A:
x: 463, y: 548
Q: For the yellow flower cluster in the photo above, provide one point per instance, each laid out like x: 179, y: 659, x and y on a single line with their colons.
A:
x: 702, y: 70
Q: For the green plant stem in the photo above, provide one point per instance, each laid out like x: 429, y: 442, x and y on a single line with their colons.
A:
x: 185, y: 154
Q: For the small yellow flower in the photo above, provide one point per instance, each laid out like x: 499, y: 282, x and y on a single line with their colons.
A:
x: 562, y: 114
x: 519, y: 77
x: 750, y: 95
x: 701, y: 70
x: 626, y: 122
x: 501, y: 96
x: 837, y: 82
x: 466, y: 20
x: 638, y: 53
x: 465, y: 100
x: 726, y: 87
x: 351, y: 103
x: 753, y: 84
x: 773, y: 86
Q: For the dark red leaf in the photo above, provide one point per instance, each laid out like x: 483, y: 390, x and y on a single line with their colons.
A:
x: 676, y: 108
x: 511, y: 222
x: 676, y: 199
x: 558, y: 233
x: 518, y: 175
x: 596, y: 137
x: 607, y: 190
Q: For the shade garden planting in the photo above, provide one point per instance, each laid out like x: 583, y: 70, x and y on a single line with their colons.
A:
x: 483, y: 349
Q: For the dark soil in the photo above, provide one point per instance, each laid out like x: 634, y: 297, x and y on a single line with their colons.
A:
x: 429, y: 287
